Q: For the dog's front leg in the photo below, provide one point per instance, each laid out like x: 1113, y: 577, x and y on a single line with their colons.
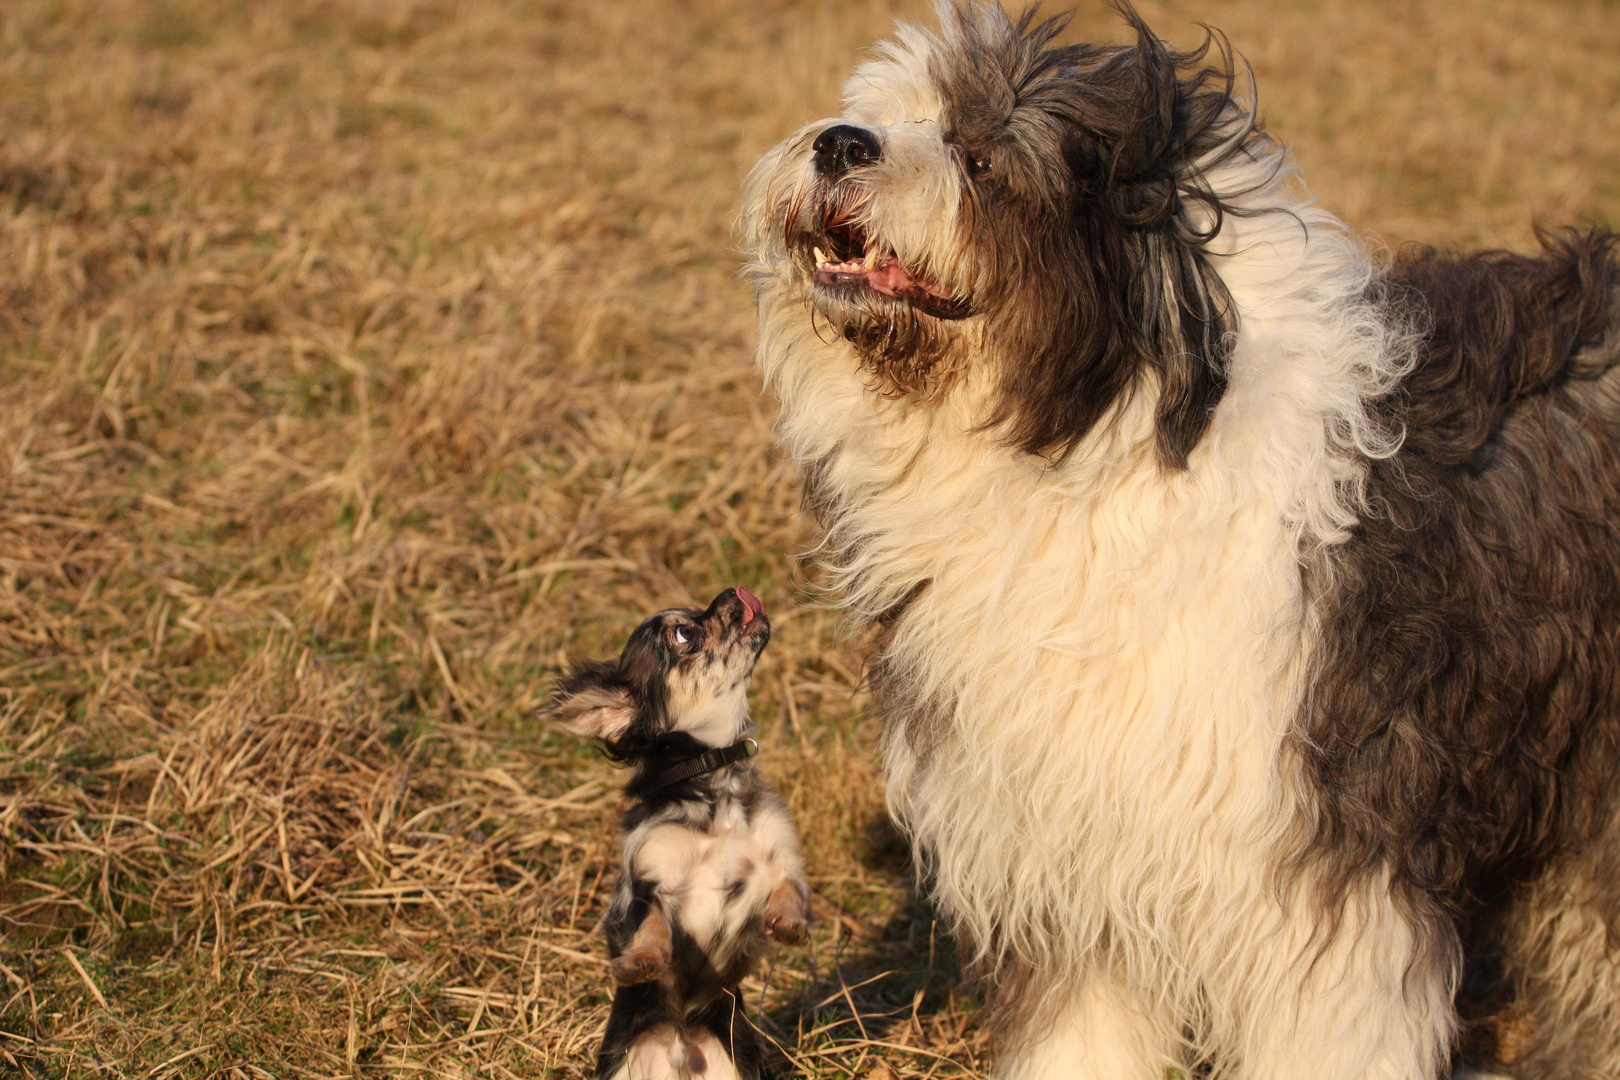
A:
x: 1368, y: 999
x: 648, y: 953
x: 787, y: 912
x: 1103, y: 1032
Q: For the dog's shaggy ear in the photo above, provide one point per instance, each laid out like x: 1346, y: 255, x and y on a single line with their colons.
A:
x: 594, y: 703
x: 1186, y: 114
x: 1126, y: 287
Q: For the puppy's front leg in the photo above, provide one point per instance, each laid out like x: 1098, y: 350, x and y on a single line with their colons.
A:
x: 787, y: 913
x: 647, y: 955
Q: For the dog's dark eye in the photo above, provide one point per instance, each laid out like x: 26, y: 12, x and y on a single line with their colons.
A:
x: 978, y: 166
x: 683, y: 635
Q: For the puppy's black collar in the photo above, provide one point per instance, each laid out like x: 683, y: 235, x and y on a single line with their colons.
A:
x: 703, y: 763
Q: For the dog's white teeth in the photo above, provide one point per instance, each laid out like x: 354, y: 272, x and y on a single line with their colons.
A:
x: 821, y: 257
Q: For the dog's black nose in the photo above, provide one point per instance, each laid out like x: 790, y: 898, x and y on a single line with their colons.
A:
x: 844, y: 146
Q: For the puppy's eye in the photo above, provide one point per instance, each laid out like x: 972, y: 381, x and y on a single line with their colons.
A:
x: 683, y: 635
x: 978, y: 166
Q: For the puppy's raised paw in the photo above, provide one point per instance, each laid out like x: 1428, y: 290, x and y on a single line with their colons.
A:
x: 787, y: 914
x: 640, y: 965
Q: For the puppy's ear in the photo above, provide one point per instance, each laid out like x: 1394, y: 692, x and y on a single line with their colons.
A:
x: 593, y: 703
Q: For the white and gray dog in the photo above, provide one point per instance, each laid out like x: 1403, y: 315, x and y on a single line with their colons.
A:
x: 1247, y: 609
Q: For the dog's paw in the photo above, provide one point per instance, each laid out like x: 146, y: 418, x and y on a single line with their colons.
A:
x: 639, y: 965
x: 787, y: 931
x: 787, y: 914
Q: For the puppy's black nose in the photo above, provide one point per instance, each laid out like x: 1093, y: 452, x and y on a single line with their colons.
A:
x: 844, y: 146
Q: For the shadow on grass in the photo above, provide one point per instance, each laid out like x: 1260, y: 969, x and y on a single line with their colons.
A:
x: 881, y: 994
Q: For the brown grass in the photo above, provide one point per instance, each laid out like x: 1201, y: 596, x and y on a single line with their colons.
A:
x: 361, y: 361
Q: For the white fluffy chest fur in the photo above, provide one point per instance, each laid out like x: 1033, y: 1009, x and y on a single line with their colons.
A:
x: 1099, y: 661
x: 713, y: 882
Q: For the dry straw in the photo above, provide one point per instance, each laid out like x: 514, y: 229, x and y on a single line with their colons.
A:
x: 359, y: 363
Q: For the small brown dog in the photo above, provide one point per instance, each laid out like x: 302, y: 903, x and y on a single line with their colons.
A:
x: 711, y: 865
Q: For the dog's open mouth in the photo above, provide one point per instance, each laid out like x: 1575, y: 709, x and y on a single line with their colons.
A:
x: 846, y: 259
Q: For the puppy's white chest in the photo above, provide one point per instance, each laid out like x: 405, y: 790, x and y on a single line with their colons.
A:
x: 714, y: 882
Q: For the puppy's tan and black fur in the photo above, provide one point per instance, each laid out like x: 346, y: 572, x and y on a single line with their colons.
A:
x: 711, y: 866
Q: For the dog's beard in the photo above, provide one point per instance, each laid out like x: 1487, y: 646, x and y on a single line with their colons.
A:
x: 903, y: 352
x: 899, y: 321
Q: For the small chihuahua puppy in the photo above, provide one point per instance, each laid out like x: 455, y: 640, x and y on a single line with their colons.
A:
x: 711, y: 865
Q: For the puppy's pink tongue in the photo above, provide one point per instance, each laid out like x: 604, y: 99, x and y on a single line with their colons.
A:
x: 752, y: 608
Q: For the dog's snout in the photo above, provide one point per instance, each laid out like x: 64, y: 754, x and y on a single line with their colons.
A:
x: 844, y: 146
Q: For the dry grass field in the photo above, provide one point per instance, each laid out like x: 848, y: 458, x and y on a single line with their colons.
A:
x: 363, y: 360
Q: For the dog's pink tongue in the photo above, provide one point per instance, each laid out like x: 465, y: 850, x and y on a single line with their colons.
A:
x: 752, y: 608
x: 890, y: 278
x: 887, y: 277
x: 884, y: 275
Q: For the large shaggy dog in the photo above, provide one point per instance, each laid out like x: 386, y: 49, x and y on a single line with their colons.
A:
x: 1247, y: 611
